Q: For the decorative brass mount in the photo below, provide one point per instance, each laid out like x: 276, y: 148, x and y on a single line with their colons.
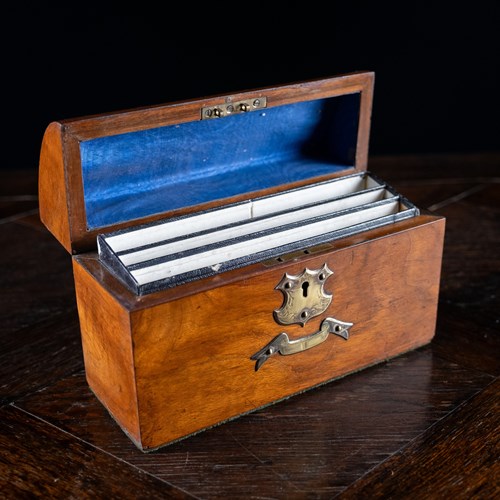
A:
x: 304, y: 296
x: 233, y: 108
x: 283, y: 345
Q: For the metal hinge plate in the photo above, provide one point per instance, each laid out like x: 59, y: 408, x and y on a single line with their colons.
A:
x: 233, y: 108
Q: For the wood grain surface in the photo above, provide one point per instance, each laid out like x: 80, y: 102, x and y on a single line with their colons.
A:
x: 181, y: 355
x: 457, y: 458
x: 422, y: 425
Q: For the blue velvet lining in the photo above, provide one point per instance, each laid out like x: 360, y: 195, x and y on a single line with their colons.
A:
x: 133, y: 175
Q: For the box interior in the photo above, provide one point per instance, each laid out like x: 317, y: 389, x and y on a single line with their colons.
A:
x: 173, y: 251
x: 142, y: 173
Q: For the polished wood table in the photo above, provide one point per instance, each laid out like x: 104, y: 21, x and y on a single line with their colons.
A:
x: 423, y: 425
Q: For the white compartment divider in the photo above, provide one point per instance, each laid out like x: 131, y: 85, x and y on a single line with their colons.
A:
x: 252, y: 226
x: 213, y: 240
x: 240, y: 212
x: 247, y: 247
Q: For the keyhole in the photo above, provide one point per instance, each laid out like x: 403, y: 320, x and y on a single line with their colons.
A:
x: 305, y: 286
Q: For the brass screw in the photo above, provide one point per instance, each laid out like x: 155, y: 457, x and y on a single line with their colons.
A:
x: 208, y: 113
x: 230, y: 108
x: 256, y: 103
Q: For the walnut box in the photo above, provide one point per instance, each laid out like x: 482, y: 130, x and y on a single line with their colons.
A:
x: 232, y: 251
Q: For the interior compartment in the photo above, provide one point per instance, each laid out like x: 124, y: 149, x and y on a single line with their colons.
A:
x: 137, y: 174
x: 174, y: 251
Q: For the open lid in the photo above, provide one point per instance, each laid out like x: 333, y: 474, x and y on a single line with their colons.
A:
x: 110, y: 171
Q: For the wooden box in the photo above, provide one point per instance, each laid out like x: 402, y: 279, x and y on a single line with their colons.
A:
x: 289, y: 265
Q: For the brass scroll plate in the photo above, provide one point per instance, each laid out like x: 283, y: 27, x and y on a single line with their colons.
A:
x: 283, y: 345
x: 304, y: 296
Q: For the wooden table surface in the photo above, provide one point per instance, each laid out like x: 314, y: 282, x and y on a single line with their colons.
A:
x: 423, y: 425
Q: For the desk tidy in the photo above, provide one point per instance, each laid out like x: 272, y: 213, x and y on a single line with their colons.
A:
x: 233, y: 251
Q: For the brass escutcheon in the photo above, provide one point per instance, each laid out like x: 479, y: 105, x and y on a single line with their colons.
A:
x: 304, y: 296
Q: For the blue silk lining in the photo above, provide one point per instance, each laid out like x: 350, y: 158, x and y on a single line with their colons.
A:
x: 137, y: 174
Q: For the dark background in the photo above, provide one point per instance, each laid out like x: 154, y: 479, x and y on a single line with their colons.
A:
x: 437, y: 64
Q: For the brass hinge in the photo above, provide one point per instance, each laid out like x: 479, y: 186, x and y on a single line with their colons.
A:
x: 233, y: 108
